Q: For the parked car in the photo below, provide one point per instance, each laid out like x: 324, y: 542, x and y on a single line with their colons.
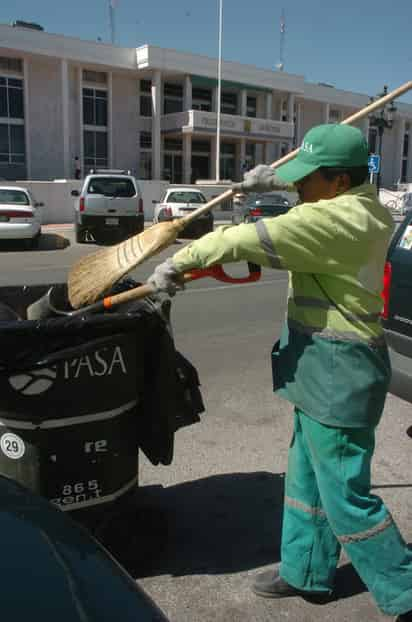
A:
x: 258, y: 206
x: 178, y: 202
x: 108, y: 207
x: 20, y: 217
x: 397, y: 310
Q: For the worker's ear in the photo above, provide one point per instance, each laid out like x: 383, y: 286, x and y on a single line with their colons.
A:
x: 342, y: 183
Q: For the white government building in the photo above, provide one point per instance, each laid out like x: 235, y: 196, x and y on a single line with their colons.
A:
x: 153, y: 111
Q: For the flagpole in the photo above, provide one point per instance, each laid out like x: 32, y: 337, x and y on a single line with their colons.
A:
x: 112, y: 24
x: 219, y: 91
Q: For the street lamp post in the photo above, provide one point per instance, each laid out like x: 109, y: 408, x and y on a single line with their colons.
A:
x: 219, y: 91
x: 383, y: 120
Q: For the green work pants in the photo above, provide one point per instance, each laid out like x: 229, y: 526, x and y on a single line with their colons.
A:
x: 328, y: 505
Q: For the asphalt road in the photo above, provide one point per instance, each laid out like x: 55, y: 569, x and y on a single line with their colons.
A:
x: 212, y: 519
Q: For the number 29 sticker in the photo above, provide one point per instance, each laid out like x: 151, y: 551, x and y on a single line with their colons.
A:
x: 12, y: 446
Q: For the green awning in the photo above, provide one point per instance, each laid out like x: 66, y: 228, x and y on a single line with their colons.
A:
x: 202, y: 82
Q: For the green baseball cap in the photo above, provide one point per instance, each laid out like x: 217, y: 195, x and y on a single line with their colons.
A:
x: 326, y: 145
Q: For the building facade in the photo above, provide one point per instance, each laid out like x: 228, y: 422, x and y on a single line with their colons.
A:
x: 154, y: 111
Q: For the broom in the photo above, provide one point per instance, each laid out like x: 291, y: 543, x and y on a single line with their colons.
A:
x: 95, y: 274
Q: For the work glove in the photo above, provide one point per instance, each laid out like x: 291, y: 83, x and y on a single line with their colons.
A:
x: 260, y: 179
x: 166, y: 278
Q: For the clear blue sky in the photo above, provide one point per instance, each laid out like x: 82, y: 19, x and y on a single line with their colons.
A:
x: 356, y: 45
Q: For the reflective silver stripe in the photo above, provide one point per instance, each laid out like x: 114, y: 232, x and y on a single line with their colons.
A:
x: 267, y: 244
x: 321, y: 303
x: 62, y: 423
x: 368, y: 533
x: 327, y: 333
x: 298, y: 505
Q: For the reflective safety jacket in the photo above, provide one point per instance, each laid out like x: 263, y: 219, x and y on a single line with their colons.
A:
x: 331, y: 360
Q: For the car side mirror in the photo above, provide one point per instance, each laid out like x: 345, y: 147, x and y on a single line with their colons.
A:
x: 154, y: 202
x: 75, y: 193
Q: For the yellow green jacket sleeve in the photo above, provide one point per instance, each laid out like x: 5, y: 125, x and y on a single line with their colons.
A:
x: 334, y: 236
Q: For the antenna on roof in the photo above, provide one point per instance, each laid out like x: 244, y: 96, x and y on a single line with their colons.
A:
x: 112, y: 6
x: 280, y: 66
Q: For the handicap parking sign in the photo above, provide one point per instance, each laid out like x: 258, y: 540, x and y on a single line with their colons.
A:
x: 374, y: 163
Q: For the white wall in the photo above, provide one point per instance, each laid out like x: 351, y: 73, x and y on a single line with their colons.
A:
x: 46, y: 124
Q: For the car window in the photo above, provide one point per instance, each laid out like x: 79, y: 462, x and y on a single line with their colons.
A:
x: 267, y: 199
x: 111, y: 187
x: 273, y: 210
x: 186, y: 197
x: 15, y: 197
x: 405, y: 241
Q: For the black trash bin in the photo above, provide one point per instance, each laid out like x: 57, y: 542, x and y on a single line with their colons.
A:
x: 79, y: 395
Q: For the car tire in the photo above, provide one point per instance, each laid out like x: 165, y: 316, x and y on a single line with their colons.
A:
x: 80, y: 234
x: 32, y: 243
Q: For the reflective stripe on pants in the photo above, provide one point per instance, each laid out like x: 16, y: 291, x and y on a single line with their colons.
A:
x: 328, y: 504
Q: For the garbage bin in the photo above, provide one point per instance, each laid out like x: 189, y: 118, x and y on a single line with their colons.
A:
x: 79, y: 395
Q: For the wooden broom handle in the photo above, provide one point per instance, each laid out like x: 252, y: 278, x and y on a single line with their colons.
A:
x: 183, y: 222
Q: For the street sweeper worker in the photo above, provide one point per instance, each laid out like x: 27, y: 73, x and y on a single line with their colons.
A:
x: 331, y: 362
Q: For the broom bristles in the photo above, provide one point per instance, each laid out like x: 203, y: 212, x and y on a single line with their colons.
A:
x: 94, y: 275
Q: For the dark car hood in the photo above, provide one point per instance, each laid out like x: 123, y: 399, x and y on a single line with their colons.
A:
x: 53, y: 570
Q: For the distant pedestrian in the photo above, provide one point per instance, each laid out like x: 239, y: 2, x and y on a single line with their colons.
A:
x: 77, y: 168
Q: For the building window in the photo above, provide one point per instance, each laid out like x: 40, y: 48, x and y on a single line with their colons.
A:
x: 334, y: 115
x: 284, y: 110
x: 405, y: 154
x: 146, y: 86
x: 250, y: 159
x: 99, y: 77
x: 145, y: 163
x: 229, y: 103
x: 12, y: 144
x: 201, y: 147
x: 95, y: 149
x: 145, y: 140
x: 13, y: 65
x: 172, y: 98
x: 146, y: 109
x: 373, y: 139
x: 94, y: 107
x: 11, y: 98
x: 202, y: 99
x: 173, y: 144
x: 251, y: 103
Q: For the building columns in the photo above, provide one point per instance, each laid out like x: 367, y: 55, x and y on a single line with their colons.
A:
x: 269, y: 106
x: 241, y: 159
x: 187, y: 97
x: 27, y: 117
x: 326, y: 112
x: 213, y: 142
x: 243, y: 103
x: 156, y: 117
x: 291, y: 107
x: 110, y: 140
x: 65, y: 118
x: 187, y: 158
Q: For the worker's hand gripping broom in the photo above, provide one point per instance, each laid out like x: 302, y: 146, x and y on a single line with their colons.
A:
x: 95, y: 274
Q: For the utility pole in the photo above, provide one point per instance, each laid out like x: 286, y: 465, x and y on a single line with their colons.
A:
x: 219, y: 91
